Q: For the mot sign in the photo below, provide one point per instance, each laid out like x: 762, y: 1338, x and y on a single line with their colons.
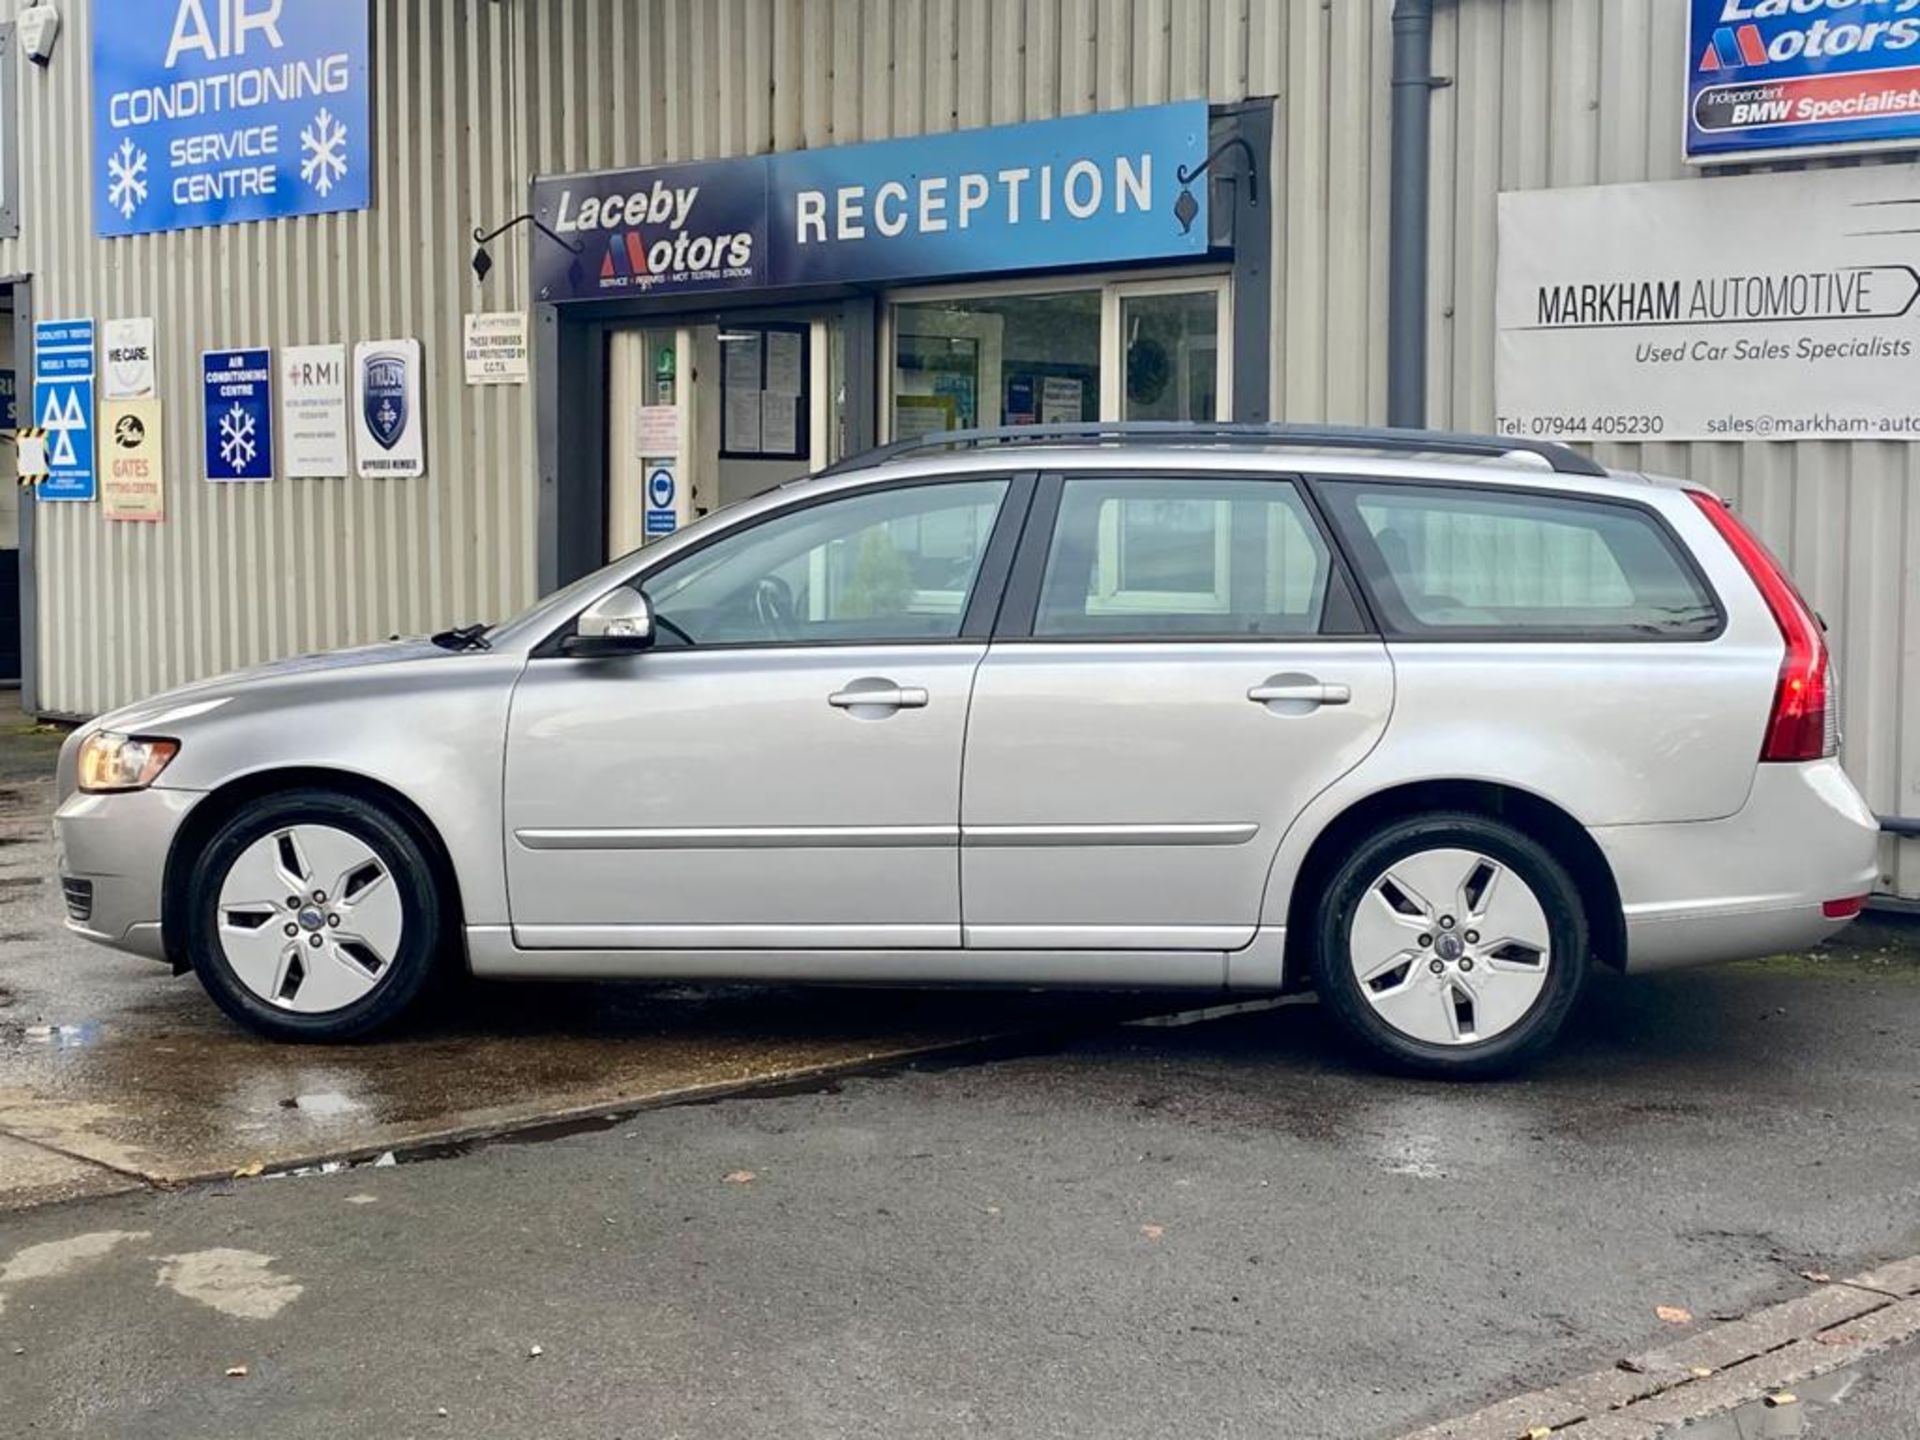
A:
x: 210, y: 112
x: 1687, y: 310
x: 1776, y: 77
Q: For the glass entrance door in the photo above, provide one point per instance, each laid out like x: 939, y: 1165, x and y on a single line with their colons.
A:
x: 711, y: 412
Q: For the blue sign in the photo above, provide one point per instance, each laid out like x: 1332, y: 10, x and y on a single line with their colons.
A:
x: 383, y: 397
x: 1765, y: 76
x: 238, y: 387
x: 63, y: 406
x: 661, y: 519
x: 1094, y: 189
x: 210, y: 112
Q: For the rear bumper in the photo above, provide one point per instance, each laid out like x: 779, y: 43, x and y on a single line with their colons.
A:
x: 1751, y: 884
x: 113, y: 848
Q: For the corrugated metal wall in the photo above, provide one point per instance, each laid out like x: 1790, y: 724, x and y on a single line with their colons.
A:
x: 242, y: 573
x: 1570, y: 92
x: 474, y: 96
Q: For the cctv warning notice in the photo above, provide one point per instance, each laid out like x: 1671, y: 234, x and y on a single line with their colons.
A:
x: 1821, y: 76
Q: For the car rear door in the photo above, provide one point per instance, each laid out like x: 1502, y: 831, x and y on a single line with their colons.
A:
x: 1179, y: 668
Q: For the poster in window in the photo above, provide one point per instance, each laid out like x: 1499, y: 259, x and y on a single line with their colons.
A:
x: 1059, y: 400
x: 741, y: 367
x: 764, y: 405
x: 779, y: 422
x: 741, y: 421
x: 918, y: 415
x: 783, y: 362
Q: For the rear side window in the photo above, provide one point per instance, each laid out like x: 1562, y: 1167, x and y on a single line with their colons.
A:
x: 1183, y: 558
x: 1463, y: 561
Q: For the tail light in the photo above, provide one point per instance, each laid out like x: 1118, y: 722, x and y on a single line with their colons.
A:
x: 1804, y: 723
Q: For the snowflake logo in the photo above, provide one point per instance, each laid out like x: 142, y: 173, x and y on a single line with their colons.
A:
x: 322, y: 148
x: 126, y: 178
x: 237, y: 445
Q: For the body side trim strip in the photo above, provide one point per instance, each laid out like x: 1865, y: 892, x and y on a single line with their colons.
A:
x: 867, y: 837
x: 745, y: 837
x: 1223, y: 833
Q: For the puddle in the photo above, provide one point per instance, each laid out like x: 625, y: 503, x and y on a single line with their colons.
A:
x: 1809, y: 1409
x: 324, y: 1104
x: 62, y: 1037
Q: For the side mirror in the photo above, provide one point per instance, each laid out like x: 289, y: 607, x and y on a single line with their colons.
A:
x: 618, y: 623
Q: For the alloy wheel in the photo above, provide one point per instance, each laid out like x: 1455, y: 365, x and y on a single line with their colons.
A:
x: 310, y: 919
x: 1450, y: 946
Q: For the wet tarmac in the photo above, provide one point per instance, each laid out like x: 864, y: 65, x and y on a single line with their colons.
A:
x: 114, y: 1074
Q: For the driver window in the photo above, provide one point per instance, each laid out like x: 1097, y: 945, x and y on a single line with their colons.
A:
x: 884, y: 565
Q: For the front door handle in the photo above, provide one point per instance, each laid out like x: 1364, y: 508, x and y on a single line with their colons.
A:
x: 1310, y: 691
x: 882, y: 695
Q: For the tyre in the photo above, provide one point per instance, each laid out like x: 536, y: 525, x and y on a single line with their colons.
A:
x: 313, y: 916
x: 1451, y: 945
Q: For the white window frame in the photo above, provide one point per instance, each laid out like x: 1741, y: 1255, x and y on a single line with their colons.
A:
x: 1113, y: 377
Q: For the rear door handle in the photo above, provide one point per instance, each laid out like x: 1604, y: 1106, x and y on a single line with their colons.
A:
x: 881, y: 697
x: 1313, y: 692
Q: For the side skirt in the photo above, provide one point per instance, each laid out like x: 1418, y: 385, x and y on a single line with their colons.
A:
x: 492, y: 954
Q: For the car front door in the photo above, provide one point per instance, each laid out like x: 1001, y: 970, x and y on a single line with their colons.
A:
x: 1180, y: 668
x: 782, y: 769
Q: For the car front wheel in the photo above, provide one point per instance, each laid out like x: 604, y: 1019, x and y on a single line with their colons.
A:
x: 313, y: 916
x: 1451, y: 945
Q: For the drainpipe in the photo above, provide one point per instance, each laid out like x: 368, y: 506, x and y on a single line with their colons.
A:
x: 1413, y: 87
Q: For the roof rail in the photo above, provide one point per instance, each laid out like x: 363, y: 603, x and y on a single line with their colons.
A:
x: 1563, y: 460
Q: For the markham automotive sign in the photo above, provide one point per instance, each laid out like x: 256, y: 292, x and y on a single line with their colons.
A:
x: 1757, y: 307
x: 1799, y: 76
x: 1083, y: 190
x: 208, y: 112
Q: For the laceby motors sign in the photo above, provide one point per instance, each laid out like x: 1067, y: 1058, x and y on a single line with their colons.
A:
x: 1772, y: 77
x: 1083, y: 190
x: 210, y: 112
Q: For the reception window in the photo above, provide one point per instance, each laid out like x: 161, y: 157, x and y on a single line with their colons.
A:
x: 1114, y: 350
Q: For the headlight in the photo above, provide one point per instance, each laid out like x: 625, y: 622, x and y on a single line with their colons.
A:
x: 122, y: 762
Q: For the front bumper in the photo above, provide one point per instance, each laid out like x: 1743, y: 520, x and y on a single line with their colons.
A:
x: 115, y: 848
x: 1749, y: 885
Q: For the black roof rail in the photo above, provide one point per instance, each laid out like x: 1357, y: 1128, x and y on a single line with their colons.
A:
x: 1563, y: 460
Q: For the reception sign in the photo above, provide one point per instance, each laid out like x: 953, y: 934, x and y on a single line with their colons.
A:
x: 1083, y: 190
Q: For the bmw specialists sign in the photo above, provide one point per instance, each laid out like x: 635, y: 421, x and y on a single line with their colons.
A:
x: 1773, y: 77
x: 1083, y: 190
x: 209, y: 112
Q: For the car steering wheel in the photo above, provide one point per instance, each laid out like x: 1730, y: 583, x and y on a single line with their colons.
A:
x: 773, y: 606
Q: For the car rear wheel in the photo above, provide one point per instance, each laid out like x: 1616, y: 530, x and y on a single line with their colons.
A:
x: 1451, y: 945
x: 313, y: 916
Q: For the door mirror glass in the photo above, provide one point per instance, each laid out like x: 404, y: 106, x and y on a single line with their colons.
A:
x: 618, y: 623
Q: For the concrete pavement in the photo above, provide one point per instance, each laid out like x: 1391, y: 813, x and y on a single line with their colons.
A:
x: 1222, y: 1228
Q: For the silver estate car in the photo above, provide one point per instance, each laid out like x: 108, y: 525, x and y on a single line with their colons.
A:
x: 1433, y: 723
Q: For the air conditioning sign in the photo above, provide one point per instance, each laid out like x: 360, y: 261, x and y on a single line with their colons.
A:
x: 211, y: 112
x: 1766, y: 77
x: 1082, y: 190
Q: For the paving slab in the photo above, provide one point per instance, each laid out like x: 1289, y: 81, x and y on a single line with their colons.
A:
x: 32, y: 1175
